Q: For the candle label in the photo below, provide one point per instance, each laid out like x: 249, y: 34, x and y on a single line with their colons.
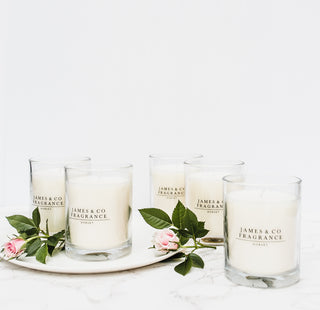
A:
x: 48, y: 202
x: 170, y: 192
x: 88, y: 216
x: 211, y: 206
x: 260, y: 237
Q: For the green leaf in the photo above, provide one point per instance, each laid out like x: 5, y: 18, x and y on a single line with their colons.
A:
x: 201, y: 233
x: 156, y: 218
x: 200, y: 225
x: 50, y: 249
x: 184, y: 236
x: 42, y: 254
x: 178, y: 214
x: 30, y: 233
x: 184, y: 267
x: 21, y: 223
x: 53, y: 250
x: 53, y: 242
x: 54, y: 239
x: 185, y: 233
x: 190, y: 221
x: 33, y: 246
x: 36, y: 217
x: 47, y: 227
x: 196, y: 260
x: 183, y: 240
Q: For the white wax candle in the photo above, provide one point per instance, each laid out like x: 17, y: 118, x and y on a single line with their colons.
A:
x: 204, y: 196
x: 167, y: 187
x: 99, y: 211
x: 262, y: 231
x: 48, y: 194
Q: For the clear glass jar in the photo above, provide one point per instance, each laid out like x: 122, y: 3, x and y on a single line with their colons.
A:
x: 262, y: 230
x: 47, y: 189
x: 99, y: 202
x: 167, y: 180
x: 204, y: 192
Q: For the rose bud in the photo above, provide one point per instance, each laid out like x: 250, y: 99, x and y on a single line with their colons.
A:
x: 165, y: 240
x: 12, y: 248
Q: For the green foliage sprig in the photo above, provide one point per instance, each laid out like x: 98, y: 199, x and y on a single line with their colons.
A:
x: 38, y: 243
x: 184, y: 223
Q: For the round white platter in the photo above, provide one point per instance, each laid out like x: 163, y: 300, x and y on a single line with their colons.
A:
x: 140, y: 256
x: 60, y: 263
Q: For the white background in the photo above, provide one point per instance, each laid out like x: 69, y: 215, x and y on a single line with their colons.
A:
x: 118, y: 80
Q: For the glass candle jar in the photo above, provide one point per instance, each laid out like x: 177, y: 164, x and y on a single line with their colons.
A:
x: 167, y: 180
x: 47, y: 189
x: 262, y: 230
x: 99, y: 202
x: 204, y: 193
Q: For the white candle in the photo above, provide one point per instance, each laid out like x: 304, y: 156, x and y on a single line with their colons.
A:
x: 48, y: 194
x: 99, y: 209
x: 262, y: 231
x: 204, y: 196
x: 167, y: 186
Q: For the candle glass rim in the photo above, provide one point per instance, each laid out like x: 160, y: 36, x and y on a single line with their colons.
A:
x: 58, y: 160
x: 168, y: 156
x: 261, y: 180
x: 214, y: 163
x: 100, y: 167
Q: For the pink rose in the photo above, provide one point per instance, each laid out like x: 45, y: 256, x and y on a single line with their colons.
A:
x: 165, y: 240
x: 12, y: 248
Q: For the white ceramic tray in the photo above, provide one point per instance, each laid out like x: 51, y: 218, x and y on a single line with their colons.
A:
x: 140, y: 256
x: 60, y: 263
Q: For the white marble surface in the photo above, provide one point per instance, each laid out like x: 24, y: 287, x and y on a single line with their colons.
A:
x: 159, y: 287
